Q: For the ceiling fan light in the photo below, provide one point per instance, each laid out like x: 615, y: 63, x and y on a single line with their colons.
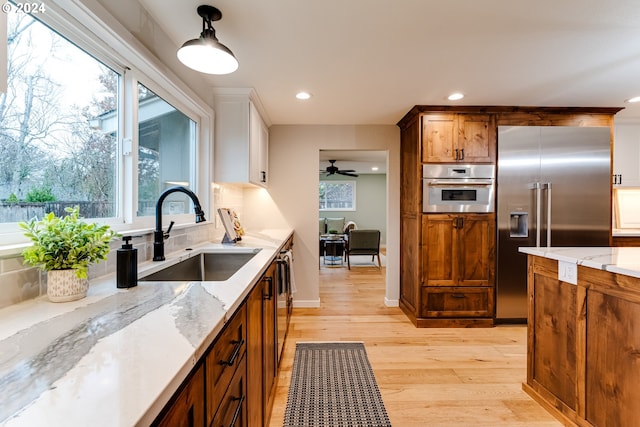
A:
x: 206, y: 54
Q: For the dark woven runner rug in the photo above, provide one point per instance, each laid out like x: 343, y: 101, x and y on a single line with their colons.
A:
x: 332, y: 384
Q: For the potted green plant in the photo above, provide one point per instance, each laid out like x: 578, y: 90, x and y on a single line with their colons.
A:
x: 64, y: 247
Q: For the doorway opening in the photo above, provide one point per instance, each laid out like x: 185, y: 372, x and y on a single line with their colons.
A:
x: 352, y: 195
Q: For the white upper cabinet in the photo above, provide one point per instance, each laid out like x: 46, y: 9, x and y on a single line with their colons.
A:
x: 241, y: 153
x: 626, y: 154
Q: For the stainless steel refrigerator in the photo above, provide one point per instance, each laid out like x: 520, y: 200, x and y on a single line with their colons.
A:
x: 553, y: 189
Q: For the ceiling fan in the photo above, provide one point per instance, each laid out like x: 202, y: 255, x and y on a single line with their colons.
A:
x: 332, y: 169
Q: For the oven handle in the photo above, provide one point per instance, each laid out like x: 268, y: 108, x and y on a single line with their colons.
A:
x: 468, y: 184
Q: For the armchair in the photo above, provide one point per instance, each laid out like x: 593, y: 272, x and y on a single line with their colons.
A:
x: 363, y: 242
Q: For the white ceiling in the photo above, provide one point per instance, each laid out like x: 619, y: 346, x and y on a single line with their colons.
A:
x: 370, y: 61
x: 362, y: 161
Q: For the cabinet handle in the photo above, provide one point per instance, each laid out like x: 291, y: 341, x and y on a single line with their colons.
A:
x: 458, y: 222
x: 462, y: 154
x: 236, y: 414
x: 620, y: 179
x: 456, y: 158
x: 264, y: 176
x: 269, y: 294
x: 458, y: 296
x: 234, y: 355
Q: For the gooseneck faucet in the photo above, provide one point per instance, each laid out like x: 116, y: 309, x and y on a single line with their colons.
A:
x: 158, y: 234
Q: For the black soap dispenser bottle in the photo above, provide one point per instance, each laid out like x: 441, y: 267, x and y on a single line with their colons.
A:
x: 127, y: 265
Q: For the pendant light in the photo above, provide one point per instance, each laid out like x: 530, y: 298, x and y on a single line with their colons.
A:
x: 206, y: 54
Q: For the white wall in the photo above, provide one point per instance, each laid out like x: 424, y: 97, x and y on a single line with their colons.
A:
x: 293, y: 187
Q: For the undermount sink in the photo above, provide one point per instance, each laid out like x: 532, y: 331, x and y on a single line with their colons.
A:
x: 214, y: 266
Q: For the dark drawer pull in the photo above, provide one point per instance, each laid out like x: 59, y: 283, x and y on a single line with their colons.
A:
x: 459, y: 296
x: 235, y: 353
x: 236, y: 414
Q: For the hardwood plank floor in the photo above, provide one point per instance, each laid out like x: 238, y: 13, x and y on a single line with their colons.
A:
x: 427, y: 377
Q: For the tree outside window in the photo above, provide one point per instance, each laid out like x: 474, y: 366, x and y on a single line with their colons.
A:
x: 51, y: 154
x: 337, y: 195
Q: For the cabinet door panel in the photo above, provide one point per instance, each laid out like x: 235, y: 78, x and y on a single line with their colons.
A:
x: 613, y: 357
x: 255, y: 341
x: 439, y: 248
x: 554, y: 342
x: 476, y: 137
x: 270, y: 369
x: 476, y: 255
x: 439, y: 138
x: 188, y: 408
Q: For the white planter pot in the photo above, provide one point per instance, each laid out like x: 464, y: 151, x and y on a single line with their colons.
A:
x: 64, y: 285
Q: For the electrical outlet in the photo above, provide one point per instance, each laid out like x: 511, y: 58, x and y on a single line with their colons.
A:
x: 568, y: 272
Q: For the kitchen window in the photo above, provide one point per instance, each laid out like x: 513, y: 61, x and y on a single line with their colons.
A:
x: 337, y: 196
x: 166, y: 138
x: 52, y: 155
x: 89, y: 119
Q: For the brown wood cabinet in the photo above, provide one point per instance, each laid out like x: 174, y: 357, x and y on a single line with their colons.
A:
x: 234, y: 383
x: 458, y: 249
x: 452, y: 137
x: 582, y: 357
x: 187, y: 408
x: 233, y: 405
x: 262, y: 362
x: 447, y: 261
x: 458, y: 267
x: 223, y: 361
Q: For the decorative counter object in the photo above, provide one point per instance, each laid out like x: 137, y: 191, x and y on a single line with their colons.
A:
x: 66, y: 243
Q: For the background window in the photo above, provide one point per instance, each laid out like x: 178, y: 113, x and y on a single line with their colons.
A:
x: 53, y: 151
x: 337, y: 195
x: 166, y: 141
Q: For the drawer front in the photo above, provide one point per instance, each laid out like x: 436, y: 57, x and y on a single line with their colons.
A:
x: 456, y: 302
x: 233, y: 407
x: 223, y: 360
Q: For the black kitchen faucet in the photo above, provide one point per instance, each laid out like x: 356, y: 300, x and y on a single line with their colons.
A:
x: 158, y: 234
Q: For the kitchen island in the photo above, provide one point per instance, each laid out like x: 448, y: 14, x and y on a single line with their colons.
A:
x: 583, y: 350
x: 116, y: 357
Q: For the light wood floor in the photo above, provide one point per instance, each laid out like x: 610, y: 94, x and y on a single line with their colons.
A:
x: 427, y: 377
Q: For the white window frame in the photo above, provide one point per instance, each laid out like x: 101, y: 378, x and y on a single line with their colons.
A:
x: 354, y: 198
x: 98, y: 33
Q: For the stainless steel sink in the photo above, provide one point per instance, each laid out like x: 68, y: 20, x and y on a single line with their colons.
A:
x: 215, y: 266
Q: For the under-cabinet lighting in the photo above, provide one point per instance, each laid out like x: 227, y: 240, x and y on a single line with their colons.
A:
x: 303, y: 95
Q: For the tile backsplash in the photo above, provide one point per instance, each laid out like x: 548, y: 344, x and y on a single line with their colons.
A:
x: 20, y: 282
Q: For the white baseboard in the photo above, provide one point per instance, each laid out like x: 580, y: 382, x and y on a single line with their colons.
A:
x: 391, y: 302
x: 306, y: 303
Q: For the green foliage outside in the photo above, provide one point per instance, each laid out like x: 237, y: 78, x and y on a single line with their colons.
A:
x: 40, y: 194
x: 12, y: 198
x: 66, y: 242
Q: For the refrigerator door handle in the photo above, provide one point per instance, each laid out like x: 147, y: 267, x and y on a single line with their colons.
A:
x: 548, y: 185
x: 536, y: 189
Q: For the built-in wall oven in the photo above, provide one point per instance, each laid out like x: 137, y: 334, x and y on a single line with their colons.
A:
x: 284, y: 299
x: 458, y: 188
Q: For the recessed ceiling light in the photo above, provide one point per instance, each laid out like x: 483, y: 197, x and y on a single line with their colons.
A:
x: 634, y: 99
x: 303, y: 95
x: 455, y: 96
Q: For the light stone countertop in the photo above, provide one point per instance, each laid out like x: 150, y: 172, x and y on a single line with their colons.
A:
x: 622, y: 260
x: 116, y: 357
